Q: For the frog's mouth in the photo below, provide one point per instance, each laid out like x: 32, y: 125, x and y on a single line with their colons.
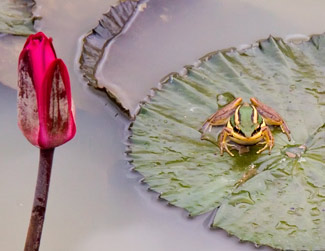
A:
x: 241, y: 140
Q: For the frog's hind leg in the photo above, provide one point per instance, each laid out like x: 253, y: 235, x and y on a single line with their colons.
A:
x: 270, y: 116
x: 268, y: 138
x: 221, y: 116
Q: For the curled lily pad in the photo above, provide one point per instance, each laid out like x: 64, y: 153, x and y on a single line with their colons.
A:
x: 110, y: 25
x: 276, y: 200
x: 16, y: 17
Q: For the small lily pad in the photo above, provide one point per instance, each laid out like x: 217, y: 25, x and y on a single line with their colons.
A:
x: 275, y: 200
x: 110, y: 25
x: 16, y: 17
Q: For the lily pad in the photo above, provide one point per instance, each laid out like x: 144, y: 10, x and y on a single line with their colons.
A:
x: 16, y: 17
x: 276, y: 200
x: 110, y: 25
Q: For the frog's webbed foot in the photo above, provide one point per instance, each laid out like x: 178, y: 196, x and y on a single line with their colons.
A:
x: 264, y: 148
x: 206, y: 127
x: 285, y: 129
x: 223, y: 141
x: 268, y: 140
x: 224, y: 146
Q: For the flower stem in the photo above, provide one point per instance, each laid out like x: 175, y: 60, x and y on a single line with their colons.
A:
x: 34, y: 234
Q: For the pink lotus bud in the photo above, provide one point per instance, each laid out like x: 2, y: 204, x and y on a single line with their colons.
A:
x: 45, y: 108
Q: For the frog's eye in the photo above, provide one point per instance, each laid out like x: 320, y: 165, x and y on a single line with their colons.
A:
x: 237, y: 130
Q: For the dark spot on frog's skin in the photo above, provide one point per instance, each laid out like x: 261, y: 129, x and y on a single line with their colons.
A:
x: 256, y: 130
x: 239, y: 131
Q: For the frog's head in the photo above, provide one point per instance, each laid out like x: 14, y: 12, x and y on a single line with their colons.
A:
x: 246, y: 121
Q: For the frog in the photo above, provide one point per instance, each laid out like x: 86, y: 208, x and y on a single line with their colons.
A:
x: 245, y: 124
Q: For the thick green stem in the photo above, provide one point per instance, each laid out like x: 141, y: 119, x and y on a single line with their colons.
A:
x: 34, y: 234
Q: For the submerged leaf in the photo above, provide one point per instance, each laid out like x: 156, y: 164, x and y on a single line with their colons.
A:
x: 112, y: 24
x: 16, y: 17
x: 276, y: 200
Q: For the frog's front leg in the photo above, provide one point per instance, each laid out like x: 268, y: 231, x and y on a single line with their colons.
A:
x: 271, y: 117
x: 223, y: 141
x: 268, y: 140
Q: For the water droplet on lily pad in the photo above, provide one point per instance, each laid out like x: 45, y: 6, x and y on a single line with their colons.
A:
x: 224, y: 99
x: 241, y: 197
x: 283, y: 225
x: 314, y: 211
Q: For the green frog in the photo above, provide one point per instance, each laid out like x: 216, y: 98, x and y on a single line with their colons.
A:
x: 245, y: 124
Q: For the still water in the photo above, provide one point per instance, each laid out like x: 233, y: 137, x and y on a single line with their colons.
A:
x: 96, y: 203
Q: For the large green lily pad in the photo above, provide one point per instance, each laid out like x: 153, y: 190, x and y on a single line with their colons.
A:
x: 276, y: 200
x: 16, y: 17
